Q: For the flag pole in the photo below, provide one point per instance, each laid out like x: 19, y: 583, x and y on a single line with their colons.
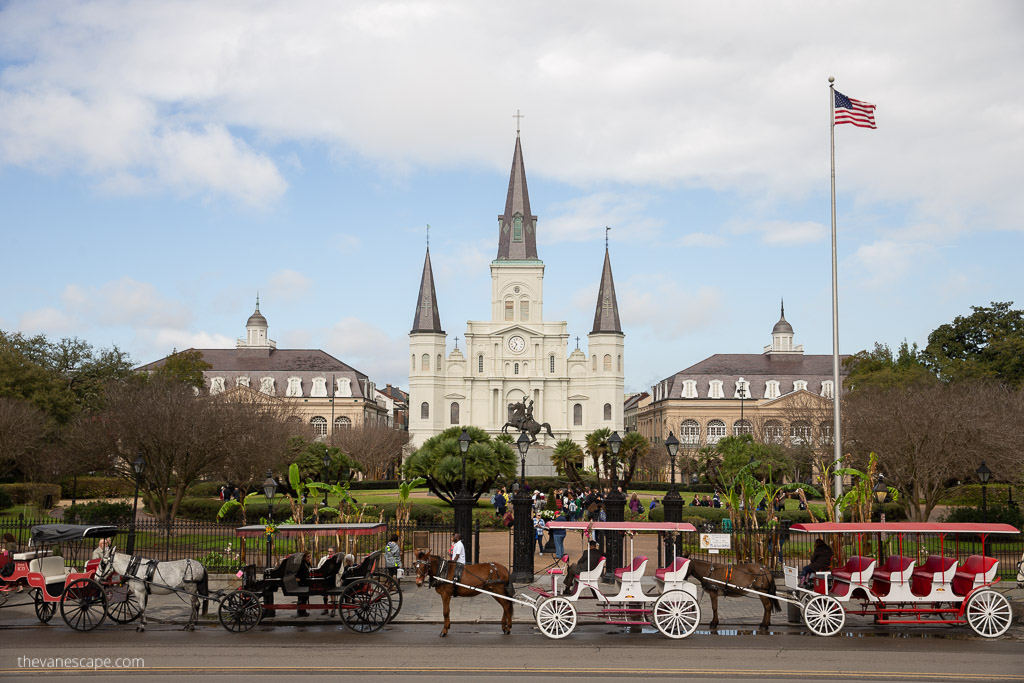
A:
x: 837, y: 442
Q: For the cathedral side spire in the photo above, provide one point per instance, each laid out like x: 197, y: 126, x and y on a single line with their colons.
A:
x: 517, y: 227
x: 606, y: 317
x: 427, y: 318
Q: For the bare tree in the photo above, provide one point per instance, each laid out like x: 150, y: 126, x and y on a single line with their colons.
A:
x: 927, y: 434
x: 375, y: 447
x: 22, y: 430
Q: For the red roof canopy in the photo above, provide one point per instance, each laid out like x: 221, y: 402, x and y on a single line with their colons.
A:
x: 903, y: 528
x: 623, y: 526
x: 287, y: 530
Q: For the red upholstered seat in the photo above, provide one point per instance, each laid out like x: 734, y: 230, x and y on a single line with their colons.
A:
x: 676, y: 566
x: 883, y: 578
x: 921, y: 581
x: 634, y: 566
x: 965, y: 578
x: 854, y: 565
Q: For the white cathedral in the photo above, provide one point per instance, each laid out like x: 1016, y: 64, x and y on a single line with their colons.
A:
x: 516, y: 355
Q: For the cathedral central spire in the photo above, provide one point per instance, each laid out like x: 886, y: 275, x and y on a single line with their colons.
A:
x: 517, y: 227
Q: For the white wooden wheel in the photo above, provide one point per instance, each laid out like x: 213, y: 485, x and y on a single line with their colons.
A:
x: 988, y: 613
x: 676, y: 614
x: 824, y: 615
x: 556, y: 617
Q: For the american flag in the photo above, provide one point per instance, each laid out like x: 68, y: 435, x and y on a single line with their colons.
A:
x: 849, y: 110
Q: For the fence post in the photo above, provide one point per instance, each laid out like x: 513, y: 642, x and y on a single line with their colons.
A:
x: 476, y: 542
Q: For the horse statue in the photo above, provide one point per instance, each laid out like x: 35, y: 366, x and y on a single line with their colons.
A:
x: 487, y: 575
x: 747, y: 575
x: 163, y: 578
x: 522, y: 420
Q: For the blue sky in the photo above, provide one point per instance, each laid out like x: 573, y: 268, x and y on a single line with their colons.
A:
x: 161, y: 162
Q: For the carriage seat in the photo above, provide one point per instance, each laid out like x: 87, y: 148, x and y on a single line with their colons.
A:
x: 325, y: 576
x: 976, y: 571
x: 290, y: 579
x: 897, y: 569
x: 594, y: 574
x: 676, y: 572
x: 634, y: 572
x: 857, y: 569
x: 51, y: 567
x: 32, y: 554
x: 936, y: 569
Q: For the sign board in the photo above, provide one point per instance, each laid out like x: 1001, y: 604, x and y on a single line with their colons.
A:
x: 715, y: 542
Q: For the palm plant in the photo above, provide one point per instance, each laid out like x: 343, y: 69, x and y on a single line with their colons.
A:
x: 567, y: 457
x: 635, y: 447
x: 597, y: 449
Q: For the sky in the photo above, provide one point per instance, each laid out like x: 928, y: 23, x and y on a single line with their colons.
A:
x: 161, y: 163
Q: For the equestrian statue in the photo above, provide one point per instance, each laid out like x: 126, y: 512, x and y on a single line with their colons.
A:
x: 521, y: 418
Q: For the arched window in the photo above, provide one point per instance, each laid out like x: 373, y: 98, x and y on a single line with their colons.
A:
x: 342, y: 423
x: 455, y: 413
x: 800, y: 433
x: 742, y: 427
x: 510, y: 310
x: 524, y: 309
x: 716, y: 431
x: 607, y: 409
x: 424, y: 411
x: 773, y: 431
x: 607, y: 363
x: 517, y: 229
x: 515, y: 369
x: 551, y: 364
x: 438, y: 363
x: 593, y: 362
x: 825, y: 430
x: 620, y: 362
x: 480, y: 363
x: 689, y: 433
x: 412, y: 363
x: 577, y: 415
x: 425, y: 362
x: 319, y: 425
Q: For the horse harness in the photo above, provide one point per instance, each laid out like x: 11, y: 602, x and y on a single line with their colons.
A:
x: 133, y: 567
x: 489, y: 581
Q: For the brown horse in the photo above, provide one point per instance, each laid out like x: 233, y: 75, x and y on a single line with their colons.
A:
x: 488, y: 576
x: 747, y: 575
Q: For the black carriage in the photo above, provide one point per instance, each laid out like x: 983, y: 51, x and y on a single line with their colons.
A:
x: 365, y: 598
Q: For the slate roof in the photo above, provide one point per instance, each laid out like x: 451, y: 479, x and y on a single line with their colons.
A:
x: 517, y: 201
x: 606, y: 317
x: 756, y: 369
x: 427, y: 317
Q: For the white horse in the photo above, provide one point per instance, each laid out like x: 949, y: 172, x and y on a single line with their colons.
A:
x: 162, y: 578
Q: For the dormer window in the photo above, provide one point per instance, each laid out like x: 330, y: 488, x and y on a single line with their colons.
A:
x: 689, y: 389
x: 294, y: 387
x: 771, y: 389
x: 216, y: 385
x: 800, y: 385
x: 242, y: 381
x: 826, y: 388
x: 715, y: 390
x: 319, y: 389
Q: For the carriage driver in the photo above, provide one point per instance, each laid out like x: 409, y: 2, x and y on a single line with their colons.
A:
x: 458, y: 555
x: 100, y: 548
x: 588, y: 562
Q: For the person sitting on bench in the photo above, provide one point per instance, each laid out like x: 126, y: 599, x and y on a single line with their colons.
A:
x: 821, y: 560
x: 587, y: 562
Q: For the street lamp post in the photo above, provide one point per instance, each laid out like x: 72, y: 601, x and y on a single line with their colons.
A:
x: 983, y: 473
x: 741, y: 389
x: 139, y: 465
x: 522, y: 537
x: 881, y: 491
x: 326, y: 461
x: 463, y: 501
x: 269, y: 489
x: 614, y: 505
x: 672, y: 502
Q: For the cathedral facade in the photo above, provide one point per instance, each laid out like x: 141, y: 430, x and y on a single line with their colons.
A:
x: 516, y: 356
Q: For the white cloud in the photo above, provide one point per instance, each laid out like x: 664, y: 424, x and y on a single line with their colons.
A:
x: 163, y: 341
x: 701, y: 239
x: 288, y: 284
x: 49, y: 321
x: 782, y: 233
x: 125, y: 301
x: 666, y: 307
x: 585, y: 218
x: 885, y: 262
x: 369, y: 349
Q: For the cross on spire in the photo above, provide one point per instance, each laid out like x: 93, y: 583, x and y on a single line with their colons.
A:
x: 428, y: 236
x: 606, y: 229
x: 518, y: 116
x: 577, y: 343
x: 456, y: 343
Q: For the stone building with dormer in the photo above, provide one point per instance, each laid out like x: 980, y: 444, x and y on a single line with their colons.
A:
x: 315, y: 387
x: 516, y: 355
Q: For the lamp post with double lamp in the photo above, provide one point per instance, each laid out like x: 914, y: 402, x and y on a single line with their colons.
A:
x: 523, y: 533
x: 269, y: 489
x: 463, y: 501
x: 741, y: 389
x: 138, y: 465
x: 614, y: 505
x: 326, y: 461
x: 984, y: 473
x: 672, y: 502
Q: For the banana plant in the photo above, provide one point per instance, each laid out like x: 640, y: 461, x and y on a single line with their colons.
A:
x: 230, y: 505
x: 861, y: 496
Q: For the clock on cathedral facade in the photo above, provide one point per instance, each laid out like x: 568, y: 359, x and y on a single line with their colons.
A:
x: 516, y: 355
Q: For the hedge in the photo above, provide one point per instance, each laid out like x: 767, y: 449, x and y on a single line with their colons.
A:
x: 994, y: 514
x: 99, y: 512
x: 970, y: 495
x: 32, y: 494
x: 96, y: 487
x: 5, y: 500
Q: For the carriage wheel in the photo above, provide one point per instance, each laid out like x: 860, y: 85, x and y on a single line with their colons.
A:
x: 824, y: 615
x: 365, y: 606
x: 83, y: 605
x: 122, y: 608
x: 44, y: 610
x: 676, y: 614
x: 394, y: 590
x: 989, y: 613
x: 556, y: 617
x: 240, y: 611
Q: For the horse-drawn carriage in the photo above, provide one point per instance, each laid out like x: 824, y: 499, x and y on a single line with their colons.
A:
x: 83, y: 598
x: 365, y: 597
x: 917, y: 584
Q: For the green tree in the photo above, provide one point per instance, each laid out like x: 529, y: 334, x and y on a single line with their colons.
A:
x: 987, y: 344
x: 772, y: 461
x: 184, y: 366
x: 597, y: 448
x: 635, y: 448
x: 880, y: 368
x: 567, y: 457
x: 439, y: 461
